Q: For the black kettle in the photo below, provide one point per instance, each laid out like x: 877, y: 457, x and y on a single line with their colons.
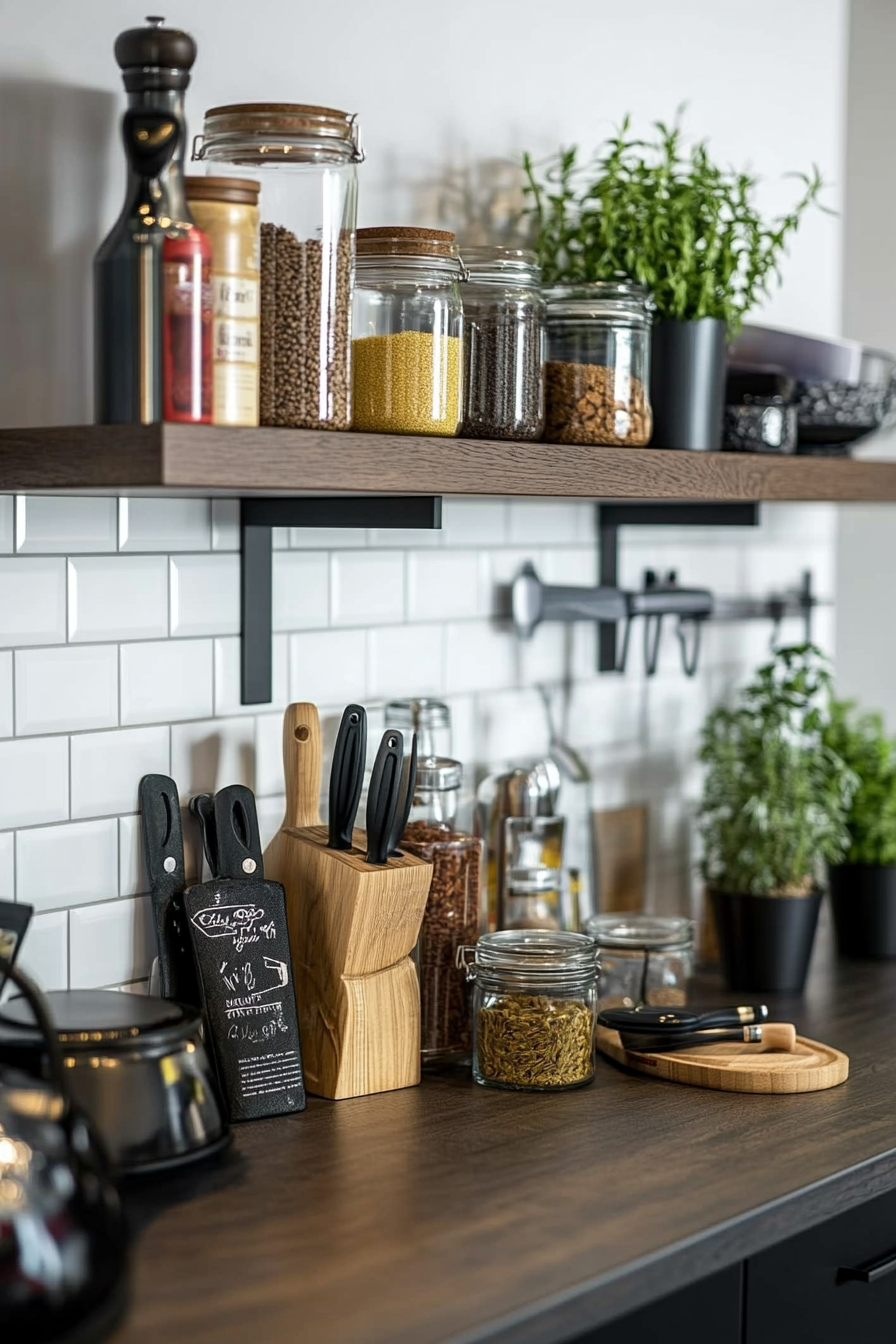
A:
x: 62, y: 1231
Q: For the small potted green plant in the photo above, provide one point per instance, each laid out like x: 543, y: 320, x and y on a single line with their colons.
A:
x: 775, y: 801
x: 863, y: 888
x: 684, y: 227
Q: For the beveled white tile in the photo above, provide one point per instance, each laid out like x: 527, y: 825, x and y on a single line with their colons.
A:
x: 44, y: 954
x: 66, y: 690
x: 7, y: 531
x: 108, y: 767
x: 479, y: 657
x: 7, y: 865
x: 205, y: 594
x: 68, y: 865
x: 367, y: 588
x: 328, y: 666
x: 301, y: 590
x: 327, y: 538
x: 575, y: 565
x: 59, y: 525
x: 166, y: 681
x: 208, y: 755
x: 33, y: 781
x: 269, y: 755
x: 538, y: 522
x: 32, y: 601
x: 447, y: 584
x: 227, y: 676
x: 112, y: 943
x: 164, y: 524
x: 474, y: 522
x: 225, y: 524
x: 122, y: 597
x: 6, y: 728
x: 133, y: 879
x: 393, y: 537
x: 405, y: 660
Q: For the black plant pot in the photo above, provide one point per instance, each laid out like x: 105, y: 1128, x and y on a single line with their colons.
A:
x: 765, y: 941
x: 687, y: 383
x: 863, y: 897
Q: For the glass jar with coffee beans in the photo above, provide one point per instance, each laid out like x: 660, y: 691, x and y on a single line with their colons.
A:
x: 598, y: 364
x: 305, y: 158
x: 534, y: 1002
x: 503, y: 345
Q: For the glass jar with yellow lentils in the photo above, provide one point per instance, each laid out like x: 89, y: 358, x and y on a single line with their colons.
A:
x: 407, y: 347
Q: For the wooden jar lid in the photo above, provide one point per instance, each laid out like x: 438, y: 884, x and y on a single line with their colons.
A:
x: 232, y: 190
x: 393, y: 240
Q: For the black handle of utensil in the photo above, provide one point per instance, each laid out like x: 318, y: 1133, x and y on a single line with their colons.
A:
x: 163, y: 848
x: 664, y: 1041
x: 383, y: 795
x: 347, y: 776
x: 655, y: 1018
x: 406, y: 798
x: 202, y: 807
x: 239, y: 840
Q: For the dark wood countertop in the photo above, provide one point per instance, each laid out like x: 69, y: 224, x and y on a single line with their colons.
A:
x: 450, y: 1212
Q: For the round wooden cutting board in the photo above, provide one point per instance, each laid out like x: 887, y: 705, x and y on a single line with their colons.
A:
x: 734, y: 1066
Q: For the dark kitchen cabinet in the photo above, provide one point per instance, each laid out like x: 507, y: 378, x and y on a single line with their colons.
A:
x: 706, y: 1312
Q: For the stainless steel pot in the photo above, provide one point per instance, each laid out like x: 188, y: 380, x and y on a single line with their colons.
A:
x: 137, y: 1066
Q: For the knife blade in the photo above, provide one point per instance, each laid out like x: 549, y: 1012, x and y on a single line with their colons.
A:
x: 383, y: 795
x: 347, y: 776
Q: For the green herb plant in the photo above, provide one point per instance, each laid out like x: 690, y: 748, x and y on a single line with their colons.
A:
x: 666, y: 217
x: 860, y: 741
x: 776, y: 793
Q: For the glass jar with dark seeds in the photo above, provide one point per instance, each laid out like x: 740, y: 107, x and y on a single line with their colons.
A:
x: 504, y: 344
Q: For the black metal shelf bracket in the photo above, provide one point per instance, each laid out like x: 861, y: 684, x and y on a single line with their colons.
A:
x: 610, y: 517
x: 258, y: 516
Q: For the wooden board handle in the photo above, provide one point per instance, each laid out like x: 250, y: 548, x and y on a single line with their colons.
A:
x: 778, y: 1036
x: 302, y: 764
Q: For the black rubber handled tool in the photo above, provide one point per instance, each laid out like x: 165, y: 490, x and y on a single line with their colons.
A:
x: 406, y: 800
x: 202, y: 807
x: 163, y: 847
x: 347, y: 776
x: 654, y: 1019
x: 237, y: 835
x: 383, y: 795
x: 771, y: 1035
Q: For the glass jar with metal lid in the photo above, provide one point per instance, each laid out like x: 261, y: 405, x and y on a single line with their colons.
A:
x: 534, y: 1000
x: 407, y: 346
x: 305, y: 158
x: 504, y: 345
x: 645, y: 959
x: 597, y: 374
x: 429, y: 719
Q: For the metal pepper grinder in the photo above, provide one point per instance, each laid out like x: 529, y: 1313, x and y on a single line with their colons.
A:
x: 149, y: 268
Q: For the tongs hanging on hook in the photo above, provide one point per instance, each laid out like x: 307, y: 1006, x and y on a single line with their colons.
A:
x: 665, y: 597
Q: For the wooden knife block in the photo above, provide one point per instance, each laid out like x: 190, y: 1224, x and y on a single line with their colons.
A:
x: 352, y: 927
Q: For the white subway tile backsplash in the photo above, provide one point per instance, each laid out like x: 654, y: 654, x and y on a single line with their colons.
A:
x: 270, y: 818
x: 32, y: 601
x: 227, y: 676
x: 7, y: 865
x: 406, y: 660
x: 474, y: 522
x: 117, y: 598
x: 367, y: 588
x: 67, y: 865
x: 539, y: 522
x: 111, y: 943
x: 133, y: 878
x: 44, y: 954
x: 327, y: 538
x: 301, y: 590
x: 164, y: 524
x: 446, y: 585
x: 107, y: 768
x: 66, y: 690
x: 269, y: 755
x: 225, y: 524
x: 205, y: 594
x: 479, y: 657
x: 211, y: 753
x: 392, y: 537
x: 33, y: 781
x: 328, y: 666
x: 576, y: 565
x: 59, y: 525
x: 7, y: 533
x: 166, y: 681
x: 6, y: 725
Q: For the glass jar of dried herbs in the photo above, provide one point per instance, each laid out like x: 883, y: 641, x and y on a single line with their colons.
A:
x: 504, y: 345
x: 534, y: 1000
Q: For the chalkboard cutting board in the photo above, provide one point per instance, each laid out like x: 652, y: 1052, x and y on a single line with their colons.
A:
x: 240, y: 939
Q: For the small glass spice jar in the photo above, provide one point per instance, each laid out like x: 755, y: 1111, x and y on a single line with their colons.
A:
x: 598, y: 364
x: 504, y: 345
x: 407, y: 347
x: 429, y: 719
x: 454, y: 912
x: 534, y: 1003
x: 644, y: 959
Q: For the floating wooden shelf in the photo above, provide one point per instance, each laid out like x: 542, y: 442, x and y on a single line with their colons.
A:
x: 181, y: 459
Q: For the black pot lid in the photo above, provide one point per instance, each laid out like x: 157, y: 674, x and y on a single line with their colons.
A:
x: 91, y: 1017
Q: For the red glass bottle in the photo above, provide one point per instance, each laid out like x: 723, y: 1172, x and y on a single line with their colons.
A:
x: 187, y: 319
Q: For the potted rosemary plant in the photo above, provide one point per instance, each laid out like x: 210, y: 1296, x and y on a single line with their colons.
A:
x: 863, y: 888
x: 685, y: 228
x: 775, y: 802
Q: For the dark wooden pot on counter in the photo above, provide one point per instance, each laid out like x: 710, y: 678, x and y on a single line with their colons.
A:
x: 765, y: 942
x: 863, y: 897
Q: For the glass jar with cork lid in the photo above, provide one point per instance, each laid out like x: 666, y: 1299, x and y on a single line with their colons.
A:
x: 306, y: 160
x: 407, y: 346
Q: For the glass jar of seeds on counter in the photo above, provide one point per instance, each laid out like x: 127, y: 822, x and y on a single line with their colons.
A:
x: 598, y: 364
x: 407, y: 346
x: 644, y: 959
x: 503, y: 345
x: 305, y: 158
x: 534, y: 1004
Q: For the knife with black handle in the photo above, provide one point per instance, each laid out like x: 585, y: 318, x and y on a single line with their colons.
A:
x: 163, y: 846
x: 406, y: 799
x: 655, y: 1019
x: 347, y: 776
x: 202, y: 807
x: 770, y: 1035
x: 383, y: 796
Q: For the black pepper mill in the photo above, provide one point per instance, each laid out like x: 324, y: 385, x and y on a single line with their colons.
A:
x: 128, y: 290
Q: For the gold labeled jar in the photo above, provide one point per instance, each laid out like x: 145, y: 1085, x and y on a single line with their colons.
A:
x: 226, y: 209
